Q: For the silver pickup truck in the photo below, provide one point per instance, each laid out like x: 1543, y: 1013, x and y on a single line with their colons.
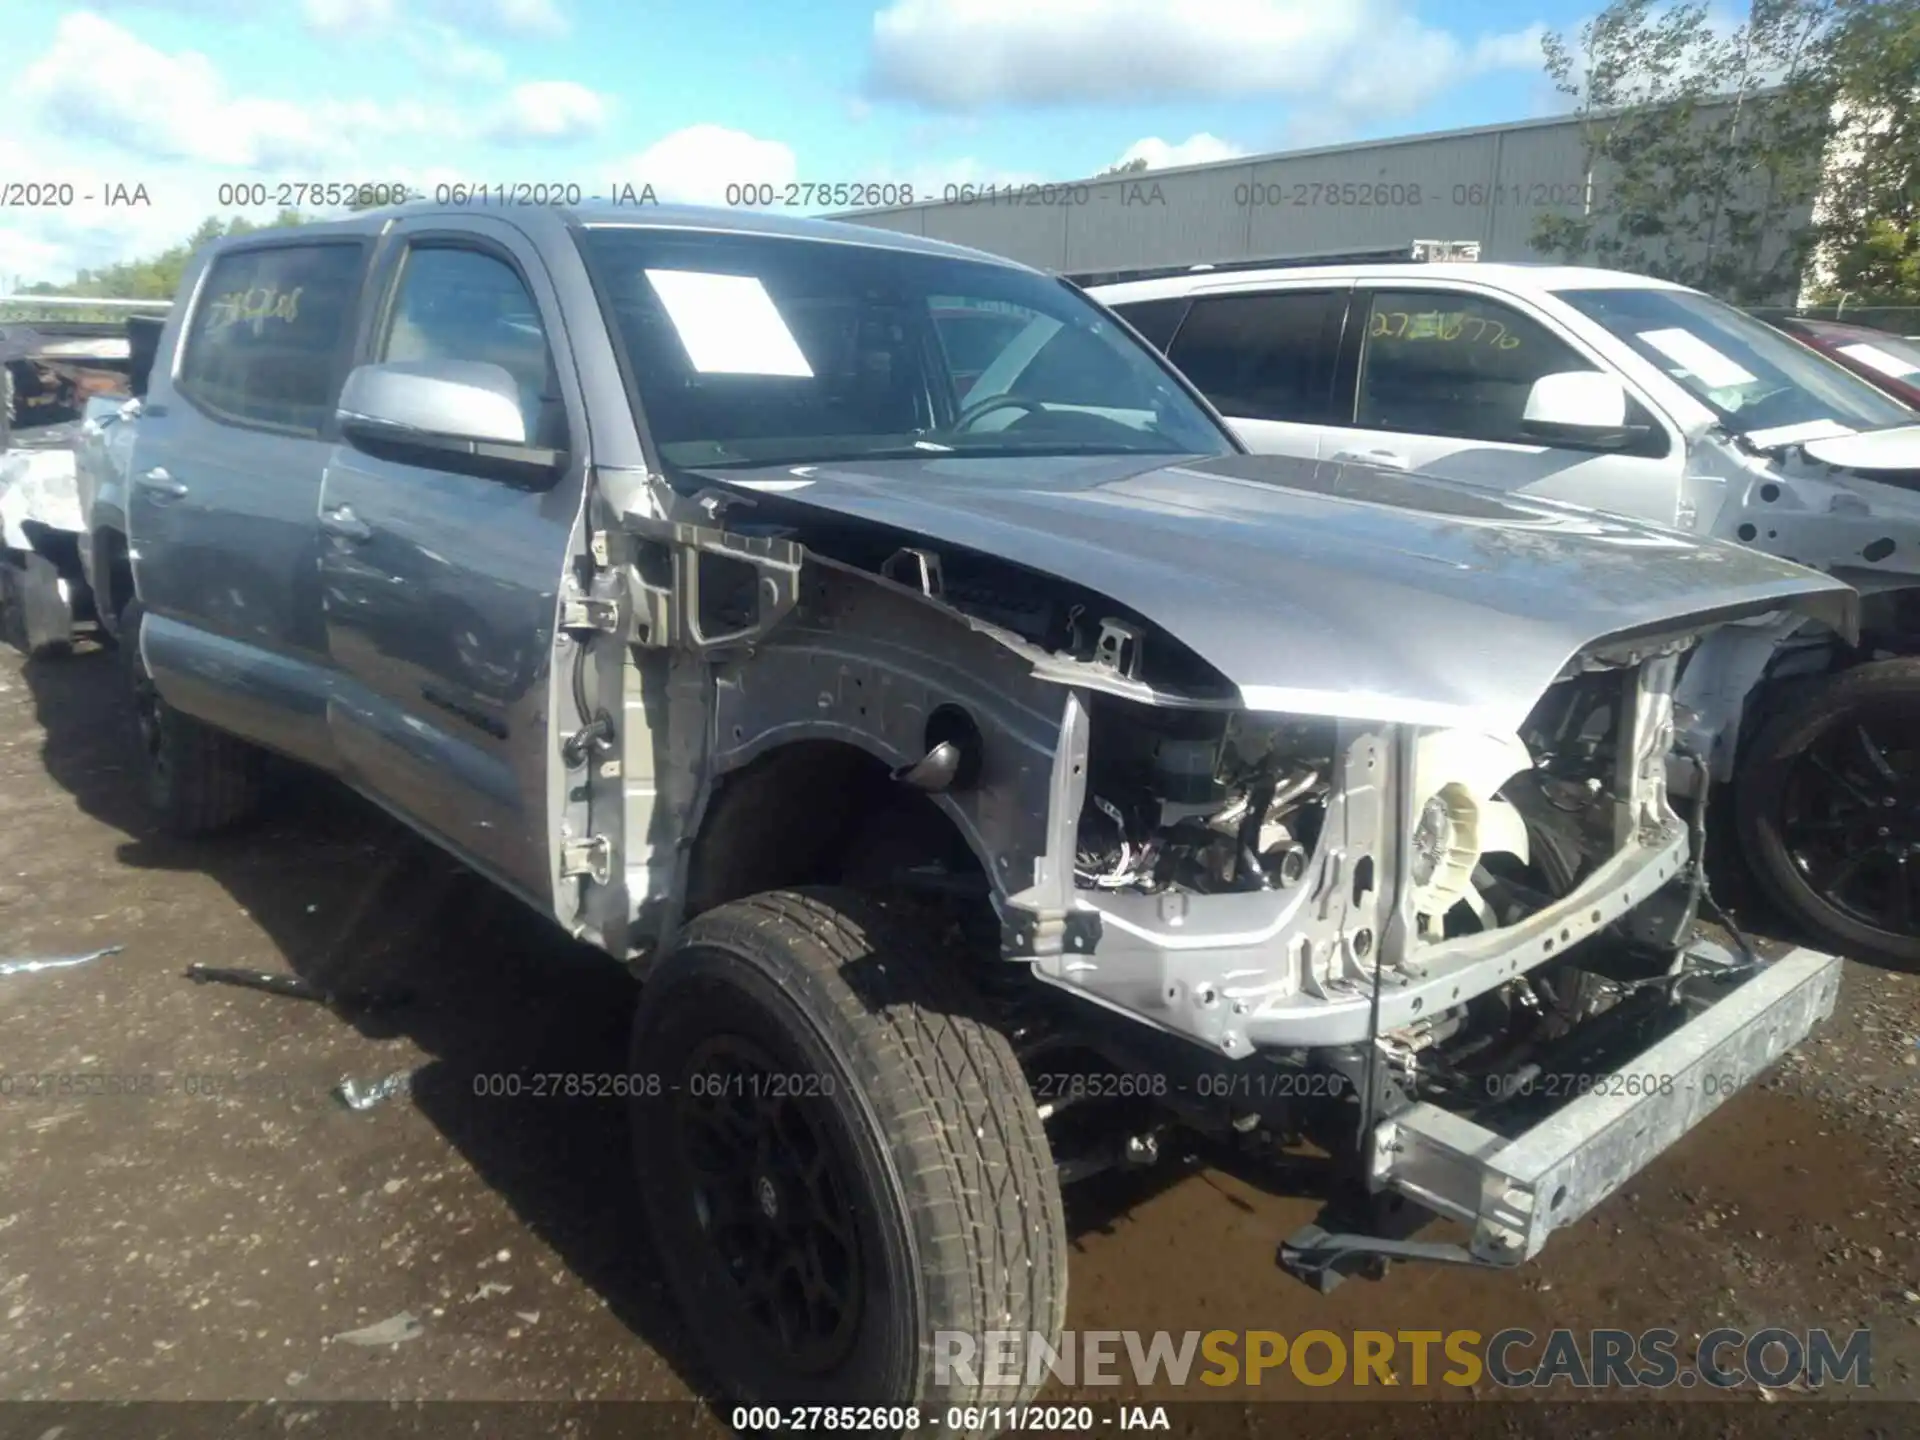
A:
x: 986, y: 763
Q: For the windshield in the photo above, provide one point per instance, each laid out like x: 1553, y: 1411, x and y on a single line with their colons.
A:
x: 1888, y: 355
x: 1749, y: 374
x: 756, y: 350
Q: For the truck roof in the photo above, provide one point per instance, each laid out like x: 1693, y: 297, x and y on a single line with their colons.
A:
x: 545, y: 222
x: 1513, y: 277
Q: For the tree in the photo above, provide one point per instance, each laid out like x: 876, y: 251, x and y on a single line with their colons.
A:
x: 1703, y: 146
x: 158, y: 276
x: 1868, y: 222
x: 1126, y: 167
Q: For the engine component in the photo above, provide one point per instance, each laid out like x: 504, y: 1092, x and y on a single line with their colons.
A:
x: 1183, y: 771
x: 1457, y: 774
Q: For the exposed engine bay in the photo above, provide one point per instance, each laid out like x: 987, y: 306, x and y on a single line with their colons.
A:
x: 1216, y: 803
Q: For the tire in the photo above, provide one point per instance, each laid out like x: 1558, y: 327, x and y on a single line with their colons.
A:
x: 198, y: 780
x: 31, y: 587
x: 941, y: 1203
x: 1871, y: 819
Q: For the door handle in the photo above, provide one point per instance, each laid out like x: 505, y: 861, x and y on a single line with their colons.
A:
x: 162, y: 484
x: 341, y: 521
x: 1392, y: 459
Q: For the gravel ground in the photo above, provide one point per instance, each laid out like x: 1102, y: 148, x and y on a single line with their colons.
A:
x: 223, y: 1232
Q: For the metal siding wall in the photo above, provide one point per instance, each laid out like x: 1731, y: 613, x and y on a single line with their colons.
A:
x: 904, y: 222
x: 1325, y: 224
x: 1487, y: 185
x: 1153, y: 219
x: 1537, y: 169
x: 1223, y: 213
x: 1032, y: 234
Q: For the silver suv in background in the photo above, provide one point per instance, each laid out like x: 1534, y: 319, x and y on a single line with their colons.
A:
x: 1643, y: 398
x: 986, y: 764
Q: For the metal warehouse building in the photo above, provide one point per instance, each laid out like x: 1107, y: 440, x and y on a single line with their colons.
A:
x: 1485, y: 184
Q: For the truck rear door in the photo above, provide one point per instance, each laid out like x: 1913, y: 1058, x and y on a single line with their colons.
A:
x: 229, y: 451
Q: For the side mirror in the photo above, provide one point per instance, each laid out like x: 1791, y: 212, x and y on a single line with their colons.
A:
x: 1580, y: 407
x: 461, y: 415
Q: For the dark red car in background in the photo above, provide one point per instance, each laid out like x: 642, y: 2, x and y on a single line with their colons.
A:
x: 1891, y: 362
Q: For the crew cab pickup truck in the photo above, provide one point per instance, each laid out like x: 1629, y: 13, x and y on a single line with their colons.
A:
x: 915, y: 739
x: 1641, y: 397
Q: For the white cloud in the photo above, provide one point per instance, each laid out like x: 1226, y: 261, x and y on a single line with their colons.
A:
x: 348, y: 17
x: 444, y: 54
x: 962, y: 54
x: 1516, y: 50
x: 695, y: 166
x: 98, y: 81
x: 361, y: 17
x: 100, y: 105
x: 1199, y: 149
x: 512, y: 17
x: 50, y: 244
x: 223, y: 9
x: 548, y: 112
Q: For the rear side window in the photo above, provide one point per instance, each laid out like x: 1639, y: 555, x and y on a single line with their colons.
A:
x: 264, y: 346
x: 1156, y: 320
x: 1264, y: 357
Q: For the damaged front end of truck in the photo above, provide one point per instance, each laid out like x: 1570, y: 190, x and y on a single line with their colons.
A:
x: 1297, y: 804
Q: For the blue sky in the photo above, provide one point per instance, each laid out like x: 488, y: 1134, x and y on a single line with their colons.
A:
x: 183, y: 95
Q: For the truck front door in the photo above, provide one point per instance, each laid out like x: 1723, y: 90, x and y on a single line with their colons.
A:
x: 440, y: 587
x: 1436, y: 380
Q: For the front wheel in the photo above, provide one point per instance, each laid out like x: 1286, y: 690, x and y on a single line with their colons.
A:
x: 1828, y: 804
x: 843, y: 1166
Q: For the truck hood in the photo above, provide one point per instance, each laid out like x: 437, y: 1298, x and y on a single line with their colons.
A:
x: 1318, y: 587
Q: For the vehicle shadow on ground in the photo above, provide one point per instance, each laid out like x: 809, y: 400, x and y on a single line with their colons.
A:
x: 354, y: 901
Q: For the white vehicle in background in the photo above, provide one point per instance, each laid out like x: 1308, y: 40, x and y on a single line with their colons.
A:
x: 65, y: 384
x: 1644, y: 398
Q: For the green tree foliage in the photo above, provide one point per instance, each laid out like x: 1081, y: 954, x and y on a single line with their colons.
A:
x: 1703, y: 144
x: 1126, y: 167
x: 158, y: 276
x: 1869, y: 225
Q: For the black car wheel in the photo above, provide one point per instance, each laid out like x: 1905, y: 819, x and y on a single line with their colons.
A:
x: 1828, y: 803
x: 197, y: 779
x: 839, y: 1158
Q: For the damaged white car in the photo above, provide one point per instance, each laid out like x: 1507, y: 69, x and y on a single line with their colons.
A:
x: 984, y: 776
x: 58, y: 382
x: 1639, y: 396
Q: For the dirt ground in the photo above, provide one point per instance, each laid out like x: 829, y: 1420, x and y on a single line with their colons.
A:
x: 209, y: 1237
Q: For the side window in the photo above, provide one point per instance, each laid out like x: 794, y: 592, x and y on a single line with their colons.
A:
x: 1264, y: 357
x: 264, y: 344
x: 1154, y: 319
x: 460, y: 304
x: 1453, y: 365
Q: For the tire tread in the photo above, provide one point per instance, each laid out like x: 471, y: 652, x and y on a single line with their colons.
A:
x: 991, y: 1235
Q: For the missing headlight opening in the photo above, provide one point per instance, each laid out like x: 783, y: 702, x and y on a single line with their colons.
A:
x: 1196, y: 800
x: 1504, y: 825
